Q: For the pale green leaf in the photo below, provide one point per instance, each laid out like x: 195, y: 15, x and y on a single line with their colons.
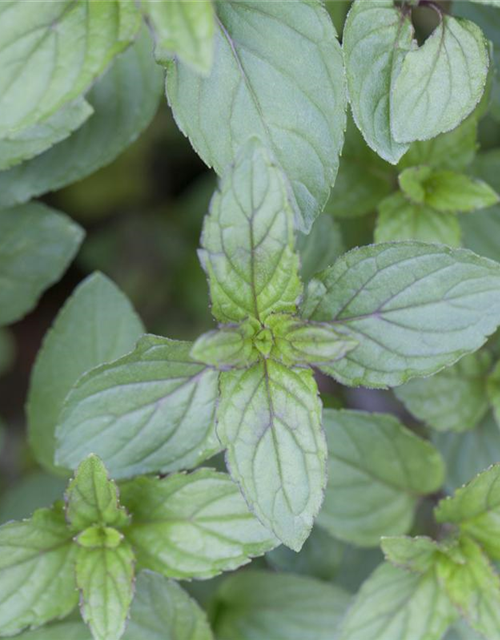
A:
x: 474, y: 588
x: 493, y: 389
x: 415, y: 554
x: 162, y: 610
x: 377, y: 471
x: 125, y: 101
x: 454, y: 150
x: 461, y: 631
x: 449, y: 191
x: 308, y: 343
x: 438, y: 86
x: 269, y: 419
x: 227, y: 347
x: 105, y: 579
x: 97, y: 324
x: 258, y: 604
x: 92, y: 498
x: 321, y: 247
x: 377, y: 36
x: 151, y: 410
x: 259, y: 86
x: 399, y: 219
x: 455, y: 399
x: 467, y: 454
x: 52, y: 55
x: 192, y: 526
x: 40, y: 137
x: 414, y: 308
x: 363, y: 180
x: 248, y: 241
x: 60, y: 631
x: 476, y: 509
x: 394, y: 604
x: 34, y: 490
x: 37, y: 245
x: 37, y: 580
x: 183, y: 28
x: 493, y: 3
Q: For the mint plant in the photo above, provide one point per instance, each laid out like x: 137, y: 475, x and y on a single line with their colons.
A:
x: 270, y: 430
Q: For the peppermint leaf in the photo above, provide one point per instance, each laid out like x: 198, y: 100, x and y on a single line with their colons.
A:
x: 192, y: 526
x: 248, y: 242
x: 151, y: 410
x: 414, y: 308
x: 390, y: 603
x: 415, y: 554
x: 105, y: 579
x: 37, y: 245
x: 438, y: 86
x: 400, y: 219
x: 467, y: 454
x: 493, y: 390
x: 36, y: 571
x: 52, y: 55
x: 454, y: 399
x: 377, y: 471
x: 447, y: 191
x: 282, y: 607
x: 125, y: 101
x: 377, y: 36
x: 269, y: 419
x: 40, y: 137
x: 58, y: 631
x: 295, y: 104
x: 185, y: 29
x: 320, y: 248
x: 227, y: 347
x: 92, y: 498
x: 162, y: 610
x: 473, y: 587
x: 475, y: 508
x: 72, y: 347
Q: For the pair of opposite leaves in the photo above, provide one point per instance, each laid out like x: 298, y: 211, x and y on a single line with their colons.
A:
x: 379, y: 316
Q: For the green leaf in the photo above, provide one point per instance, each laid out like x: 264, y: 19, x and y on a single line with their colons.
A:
x: 260, y: 604
x: 37, y: 245
x: 414, y: 308
x: 415, y: 554
x: 308, y: 343
x: 454, y: 399
x: 37, y: 580
x: 475, y: 508
x: 376, y: 38
x: 59, y: 631
x: 259, y: 86
x: 125, y: 101
x: 461, y: 631
x: 72, y: 347
x: 192, y: 526
x: 454, y: 150
x: 151, y: 410
x: 51, y: 56
x: 227, y: 347
x: 40, y: 137
x: 493, y: 391
x: 377, y: 471
x: 34, y: 490
x: 447, y: 191
x: 438, y: 86
x: 399, y: 219
x: 394, y: 604
x: 183, y: 28
x: 467, y: 454
x: 269, y: 419
x: 474, y: 588
x: 364, y: 179
x: 92, y: 498
x: 248, y: 242
x: 321, y: 247
x: 105, y: 579
x: 162, y: 610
